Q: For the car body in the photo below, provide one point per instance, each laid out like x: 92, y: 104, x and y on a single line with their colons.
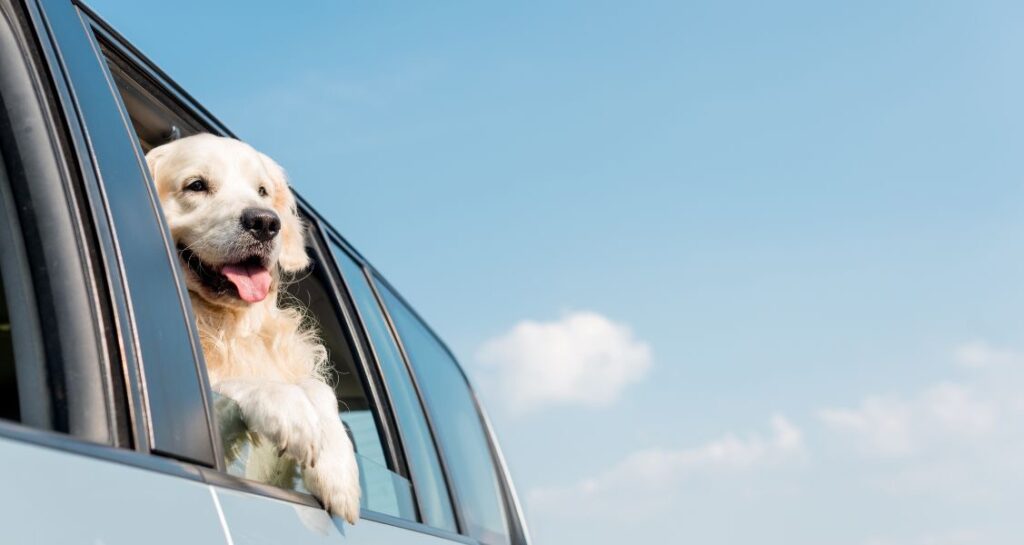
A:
x: 107, y: 433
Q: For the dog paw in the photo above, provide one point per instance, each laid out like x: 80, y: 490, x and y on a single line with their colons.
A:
x: 335, y: 482
x: 335, y: 478
x: 282, y: 414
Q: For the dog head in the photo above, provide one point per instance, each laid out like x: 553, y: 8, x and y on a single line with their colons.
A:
x: 231, y: 215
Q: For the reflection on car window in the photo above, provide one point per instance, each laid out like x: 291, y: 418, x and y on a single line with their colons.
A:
x: 383, y: 490
x: 457, y: 423
x: 435, y: 505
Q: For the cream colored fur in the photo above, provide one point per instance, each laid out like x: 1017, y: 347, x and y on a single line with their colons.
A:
x: 269, y: 367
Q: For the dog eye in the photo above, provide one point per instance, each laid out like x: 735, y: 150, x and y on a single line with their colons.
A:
x: 263, y: 191
x: 198, y: 184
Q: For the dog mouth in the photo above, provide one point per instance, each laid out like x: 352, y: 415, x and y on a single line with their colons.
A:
x: 249, y: 279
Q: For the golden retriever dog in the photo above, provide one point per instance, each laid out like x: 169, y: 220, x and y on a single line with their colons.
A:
x: 234, y: 221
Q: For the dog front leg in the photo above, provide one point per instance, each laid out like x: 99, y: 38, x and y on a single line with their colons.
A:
x: 334, y: 479
x: 279, y: 412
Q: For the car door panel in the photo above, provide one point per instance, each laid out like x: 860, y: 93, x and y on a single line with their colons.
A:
x: 55, y: 496
x: 259, y: 520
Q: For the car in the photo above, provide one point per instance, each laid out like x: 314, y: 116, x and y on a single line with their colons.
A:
x: 107, y: 420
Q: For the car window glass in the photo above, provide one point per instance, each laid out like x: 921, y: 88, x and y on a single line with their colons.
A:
x: 425, y: 468
x: 26, y: 395
x: 56, y: 371
x: 456, y: 421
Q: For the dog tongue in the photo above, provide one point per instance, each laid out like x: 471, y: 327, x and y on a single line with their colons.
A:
x: 252, y: 281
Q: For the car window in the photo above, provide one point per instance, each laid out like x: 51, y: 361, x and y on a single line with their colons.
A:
x: 55, y: 373
x: 456, y: 421
x: 425, y: 467
x: 157, y: 117
x: 26, y: 396
x: 16, y: 326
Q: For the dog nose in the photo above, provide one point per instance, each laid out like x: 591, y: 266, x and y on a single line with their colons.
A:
x: 263, y: 224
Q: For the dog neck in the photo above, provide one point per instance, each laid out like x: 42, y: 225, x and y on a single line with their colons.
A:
x: 259, y: 340
x: 223, y: 327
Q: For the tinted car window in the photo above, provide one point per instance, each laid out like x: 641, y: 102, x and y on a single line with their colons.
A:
x: 383, y: 490
x: 425, y: 468
x: 457, y: 423
x: 28, y: 394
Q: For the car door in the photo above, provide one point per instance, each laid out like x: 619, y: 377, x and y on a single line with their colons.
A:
x: 76, y: 448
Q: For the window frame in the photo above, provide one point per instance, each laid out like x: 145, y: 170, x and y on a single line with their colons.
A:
x: 518, y: 533
x: 171, y: 415
x: 79, y: 335
x: 371, y: 378
x: 453, y: 493
x: 336, y: 238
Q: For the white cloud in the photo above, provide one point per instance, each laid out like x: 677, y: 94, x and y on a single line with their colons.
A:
x: 882, y: 425
x: 730, y: 452
x: 979, y: 354
x: 958, y: 409
x: 956, y: 537
x: 953, y: 443
x: 650, y: 477
x: 945, y: 452
x: 945, y: 415
x: 893, y: 426
x: 583, y: 358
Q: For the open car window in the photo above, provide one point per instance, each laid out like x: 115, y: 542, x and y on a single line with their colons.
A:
x: 158, y: 118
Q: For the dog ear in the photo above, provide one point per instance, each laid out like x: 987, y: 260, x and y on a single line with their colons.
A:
x: 153, y: 159
x: 293, y: 231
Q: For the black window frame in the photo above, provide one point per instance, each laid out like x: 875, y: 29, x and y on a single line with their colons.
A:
x: 63, y: 242
x: 72, y: 186
x: 347, y: 315
x: 335, y: 238
x: 171, y: 410
x: 518, y: 532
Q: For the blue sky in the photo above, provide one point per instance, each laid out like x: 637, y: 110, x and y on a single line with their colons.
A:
x: 777, y: 247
